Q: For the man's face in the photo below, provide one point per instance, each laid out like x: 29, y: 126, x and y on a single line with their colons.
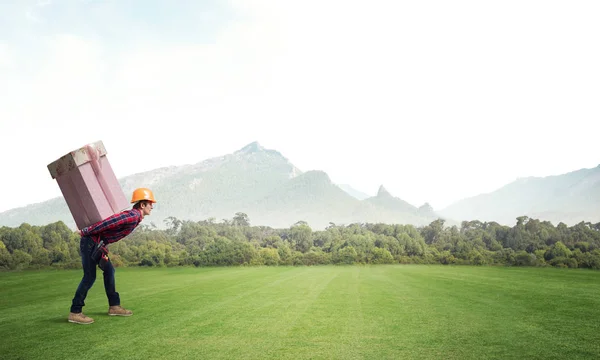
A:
x: 147, y: 208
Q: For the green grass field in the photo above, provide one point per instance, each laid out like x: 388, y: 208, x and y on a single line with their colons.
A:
x: 371, y: 312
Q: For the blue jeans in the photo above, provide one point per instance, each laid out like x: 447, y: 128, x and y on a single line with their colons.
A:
x: 86, y: 246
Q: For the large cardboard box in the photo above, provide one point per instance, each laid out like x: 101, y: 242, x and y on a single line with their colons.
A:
x: 88, y: 184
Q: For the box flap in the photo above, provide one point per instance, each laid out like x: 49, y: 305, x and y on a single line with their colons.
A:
x: 74, y: 159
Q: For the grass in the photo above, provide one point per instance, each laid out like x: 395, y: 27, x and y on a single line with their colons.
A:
x: 371, y: 312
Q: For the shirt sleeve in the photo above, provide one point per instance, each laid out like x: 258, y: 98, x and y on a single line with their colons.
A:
x: 111, y: 222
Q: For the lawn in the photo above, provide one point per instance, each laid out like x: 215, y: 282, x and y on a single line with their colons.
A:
x: 353, y: 312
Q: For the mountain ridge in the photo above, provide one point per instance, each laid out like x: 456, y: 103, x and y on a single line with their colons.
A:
x: 274, y: 192
x: 258, y: 181
x: 570, y: 198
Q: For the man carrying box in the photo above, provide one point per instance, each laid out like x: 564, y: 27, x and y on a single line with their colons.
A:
x: 94, y: 239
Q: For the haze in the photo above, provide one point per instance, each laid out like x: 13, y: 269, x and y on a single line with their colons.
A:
x: 435, y: 100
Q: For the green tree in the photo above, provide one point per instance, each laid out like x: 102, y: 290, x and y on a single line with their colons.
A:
x: 345, y: 255
x: 301, y: 237
x: 269, y: 256
x: 381, y: 256
x: 173, y: 225
x: 20, y: 260
x: 241, y: 219
x: 558, y: 250
x: 523, y: 258
x: 433, y: 231
x: 285, y: 254
x: 5, y: 257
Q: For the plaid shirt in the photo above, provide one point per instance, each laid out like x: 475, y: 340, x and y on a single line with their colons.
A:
x: 114, y: 227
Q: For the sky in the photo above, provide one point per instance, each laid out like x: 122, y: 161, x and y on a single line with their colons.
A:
x: 435, y: 100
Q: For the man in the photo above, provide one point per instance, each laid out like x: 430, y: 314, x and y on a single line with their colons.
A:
x: 98, y: 235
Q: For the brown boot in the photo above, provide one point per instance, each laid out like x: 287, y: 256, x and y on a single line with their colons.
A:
x: 119, y: 311
x: 79, y: 318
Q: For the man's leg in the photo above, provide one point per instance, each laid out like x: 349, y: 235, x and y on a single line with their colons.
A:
x: 89, y: 277
x: 110, y: 286
x: 114, y: 301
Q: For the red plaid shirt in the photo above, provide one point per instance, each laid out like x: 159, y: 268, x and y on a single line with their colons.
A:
x: 114, y: 227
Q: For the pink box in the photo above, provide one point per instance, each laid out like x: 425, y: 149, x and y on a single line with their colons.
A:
x: 88, y: 184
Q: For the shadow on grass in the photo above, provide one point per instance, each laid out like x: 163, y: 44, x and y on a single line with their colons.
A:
x: 65, y: 319
x: 97, y: 313
x: 60, y: 319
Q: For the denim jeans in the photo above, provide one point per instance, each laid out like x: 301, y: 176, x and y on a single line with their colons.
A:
x: 86, y: 246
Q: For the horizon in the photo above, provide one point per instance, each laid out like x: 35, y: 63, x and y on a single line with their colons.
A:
x: 436, y: 101
x: 369, y: 193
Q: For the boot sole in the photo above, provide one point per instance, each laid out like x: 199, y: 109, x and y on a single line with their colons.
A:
x: 79, y: 322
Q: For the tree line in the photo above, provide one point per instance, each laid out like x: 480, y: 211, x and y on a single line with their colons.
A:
x: 234, y: 242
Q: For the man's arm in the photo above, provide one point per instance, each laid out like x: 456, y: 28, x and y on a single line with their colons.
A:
x: 111, y: 222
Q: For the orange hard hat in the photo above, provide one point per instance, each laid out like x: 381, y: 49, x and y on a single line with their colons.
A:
x: 142, y: 194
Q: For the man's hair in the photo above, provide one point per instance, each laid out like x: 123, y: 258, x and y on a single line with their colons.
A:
x: 138, y: 204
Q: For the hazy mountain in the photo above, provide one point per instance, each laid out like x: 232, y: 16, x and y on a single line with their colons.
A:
x: 310, y: 197
x: 386, y: 208
x: 569, y: 198
x: 258, y: 181
x: 357, y: 194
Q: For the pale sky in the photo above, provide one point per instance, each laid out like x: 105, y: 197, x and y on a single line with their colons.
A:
x: 436, y: 100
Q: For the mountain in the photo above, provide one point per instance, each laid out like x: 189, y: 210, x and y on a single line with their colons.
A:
x: 259, y: 182
x: 357, y: 194
x: 389, y: 209
x: 569, y: 198
x: 310, y: 197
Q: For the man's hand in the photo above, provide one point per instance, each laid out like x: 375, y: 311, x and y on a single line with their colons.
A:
x: 79, y: 232
x: 103, y: 261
